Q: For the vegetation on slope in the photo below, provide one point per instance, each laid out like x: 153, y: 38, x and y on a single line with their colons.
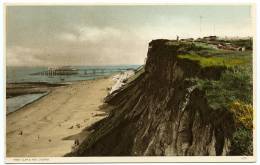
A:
x: 233, y: 91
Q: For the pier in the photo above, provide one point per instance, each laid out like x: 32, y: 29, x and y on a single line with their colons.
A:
x: 82, y: 72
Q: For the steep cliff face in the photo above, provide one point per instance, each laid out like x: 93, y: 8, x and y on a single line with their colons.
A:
x: 162, y: 112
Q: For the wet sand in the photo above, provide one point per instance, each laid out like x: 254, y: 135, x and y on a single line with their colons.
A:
x: 39, y: 129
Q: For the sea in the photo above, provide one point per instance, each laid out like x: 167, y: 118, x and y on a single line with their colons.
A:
x: 29, y: 74
x: 25, y: 74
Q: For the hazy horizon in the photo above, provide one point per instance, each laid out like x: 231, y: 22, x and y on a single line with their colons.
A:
x: 110, y: 35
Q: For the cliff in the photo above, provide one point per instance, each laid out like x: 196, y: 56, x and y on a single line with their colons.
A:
x: 162, y: 111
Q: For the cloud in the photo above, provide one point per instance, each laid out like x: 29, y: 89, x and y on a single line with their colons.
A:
x: 17, y: 55
x: 83, y: 45
x: 89, y: 34
x: 67, y: 37
x: 108, y: 35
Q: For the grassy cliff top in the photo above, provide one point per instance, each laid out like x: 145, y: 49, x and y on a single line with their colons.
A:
x: 230, y: 59
x: 209, y: 55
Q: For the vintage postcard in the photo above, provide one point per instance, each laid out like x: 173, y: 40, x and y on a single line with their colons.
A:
x: 129, y: 83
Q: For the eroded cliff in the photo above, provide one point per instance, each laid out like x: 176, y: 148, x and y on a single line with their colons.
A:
x: 162, y: 112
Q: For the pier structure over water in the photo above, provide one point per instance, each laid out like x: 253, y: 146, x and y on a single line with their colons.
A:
x: 59, y: 71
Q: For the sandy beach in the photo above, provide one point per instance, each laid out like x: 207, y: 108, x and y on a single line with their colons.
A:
x: 45, y: 128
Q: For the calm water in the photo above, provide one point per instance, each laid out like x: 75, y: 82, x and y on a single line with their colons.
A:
x: 23, y: 74
x: 15, y: 103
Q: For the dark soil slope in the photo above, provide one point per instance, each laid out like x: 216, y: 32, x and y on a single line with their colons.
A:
x: 162, y: 112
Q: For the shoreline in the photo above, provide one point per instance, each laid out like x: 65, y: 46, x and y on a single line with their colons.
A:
x: 44, y: 95
x: 62, y: 113
x: 30, y: 88
x: 23, y: 88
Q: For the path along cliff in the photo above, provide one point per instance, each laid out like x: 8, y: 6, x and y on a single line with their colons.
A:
x: 161, y: 111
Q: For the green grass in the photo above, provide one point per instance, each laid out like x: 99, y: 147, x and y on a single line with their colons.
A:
x: 228, y: 60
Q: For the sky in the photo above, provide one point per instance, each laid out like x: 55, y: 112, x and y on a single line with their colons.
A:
x: 110, y: 35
